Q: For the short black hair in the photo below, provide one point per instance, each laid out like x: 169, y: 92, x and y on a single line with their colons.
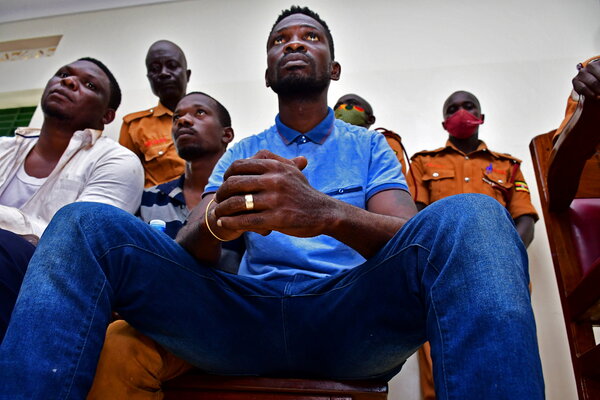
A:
x: 310, y: 13
x: 222, y: 113
x: 115, y: 91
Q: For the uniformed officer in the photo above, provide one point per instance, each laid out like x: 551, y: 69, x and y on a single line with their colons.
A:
x: 466, y: 165
x: 355, y: 110
x: 148, y: 133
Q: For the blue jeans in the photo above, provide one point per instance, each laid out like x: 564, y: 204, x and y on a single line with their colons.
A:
x: 15, y: 253
x: 455, y: 274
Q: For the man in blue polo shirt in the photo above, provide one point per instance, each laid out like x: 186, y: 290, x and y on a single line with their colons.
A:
x: 377, y: 282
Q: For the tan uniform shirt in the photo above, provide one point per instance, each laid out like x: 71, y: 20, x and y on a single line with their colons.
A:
x: 448, y: 171
x: 395, y: 142
x: 148, y: 134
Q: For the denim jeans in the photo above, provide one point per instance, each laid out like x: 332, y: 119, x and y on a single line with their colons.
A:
x: 455, y: 274
x: 15, y: 253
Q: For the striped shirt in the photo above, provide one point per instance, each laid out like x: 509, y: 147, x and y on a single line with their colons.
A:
x: 165, y: 202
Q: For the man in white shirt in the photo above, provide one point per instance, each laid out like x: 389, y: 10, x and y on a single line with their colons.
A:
x: 68, y: 159
x: 65, y: 161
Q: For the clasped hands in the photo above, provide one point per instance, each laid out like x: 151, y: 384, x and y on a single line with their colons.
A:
x: 267, y: 193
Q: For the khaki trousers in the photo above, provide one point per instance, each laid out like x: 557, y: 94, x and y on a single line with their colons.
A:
x: 133, y: 366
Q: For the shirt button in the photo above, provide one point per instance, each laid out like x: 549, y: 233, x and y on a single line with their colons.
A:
x: 160, y: 153
x: 152, y: 110
x: 341, y: 191
x: 467, y: 179
x: 500, y: 181
x: 435, y: 174
x: 466, y: 157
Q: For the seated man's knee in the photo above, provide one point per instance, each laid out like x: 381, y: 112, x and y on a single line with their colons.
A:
x: 84, y: 211
x: 88, y: 217
x: 472, y: 202
x: 472, y: 208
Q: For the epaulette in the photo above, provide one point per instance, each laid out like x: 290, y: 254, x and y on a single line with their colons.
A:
x: 137, y: 115
x: 388, y: 133
x: 515, y: 160
x: 427, y: 152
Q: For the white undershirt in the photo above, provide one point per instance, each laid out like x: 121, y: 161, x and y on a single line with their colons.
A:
x: 20, y: 189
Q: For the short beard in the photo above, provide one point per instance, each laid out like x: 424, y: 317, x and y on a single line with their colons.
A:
x: 300, y: 86
x: 191, y: 153
x: 54, y: 112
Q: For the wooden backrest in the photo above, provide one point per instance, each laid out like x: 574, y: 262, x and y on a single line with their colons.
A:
x: 563, y: 252
x: 572, y: 168
x: 573, y: 230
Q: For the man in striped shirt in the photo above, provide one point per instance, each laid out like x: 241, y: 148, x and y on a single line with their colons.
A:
x: 201, y: 132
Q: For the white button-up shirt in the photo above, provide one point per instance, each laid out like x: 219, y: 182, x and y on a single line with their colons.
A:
x: 92, y: 168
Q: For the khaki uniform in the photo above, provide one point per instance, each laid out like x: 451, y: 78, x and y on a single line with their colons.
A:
x: 395, y: 142
x: 448, y: 171
x: 148, y: 134
x: 132, y: 366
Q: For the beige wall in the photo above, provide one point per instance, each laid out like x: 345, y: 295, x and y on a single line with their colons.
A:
x: 406, y: 57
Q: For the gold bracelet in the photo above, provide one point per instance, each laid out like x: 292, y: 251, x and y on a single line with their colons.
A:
x: 207, y: 224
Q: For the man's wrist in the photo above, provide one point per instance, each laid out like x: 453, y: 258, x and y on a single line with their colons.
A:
x: 334, y: 218
x: 207, y: 222
x: 214, y: 227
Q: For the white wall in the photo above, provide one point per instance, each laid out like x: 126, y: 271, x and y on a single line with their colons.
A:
x: 404, y: 56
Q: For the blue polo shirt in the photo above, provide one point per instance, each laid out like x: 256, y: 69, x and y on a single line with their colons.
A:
x: 346, y: 162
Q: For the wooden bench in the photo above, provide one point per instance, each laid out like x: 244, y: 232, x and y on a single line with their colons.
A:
x: 196, y: 385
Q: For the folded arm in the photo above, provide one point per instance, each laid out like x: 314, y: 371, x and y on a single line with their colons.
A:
x: 14, y: 220
x: 118, y: 180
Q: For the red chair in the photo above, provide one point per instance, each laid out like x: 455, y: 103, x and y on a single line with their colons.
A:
x: 568, y: 177
x: 198, y: 386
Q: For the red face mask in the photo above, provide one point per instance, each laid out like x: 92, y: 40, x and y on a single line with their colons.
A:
x: 462, y: 124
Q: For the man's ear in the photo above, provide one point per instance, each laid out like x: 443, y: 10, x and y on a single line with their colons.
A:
x: 188, y: 73
x: 371, y: 120
x: 444, y: 125
x: 267, y: 83
x: 228, y: 135
x: 482, y: 117
x: 336, y: 70
x: 109, y: 116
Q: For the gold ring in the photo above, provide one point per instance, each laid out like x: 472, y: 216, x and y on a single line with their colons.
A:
x: 249, y: 202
